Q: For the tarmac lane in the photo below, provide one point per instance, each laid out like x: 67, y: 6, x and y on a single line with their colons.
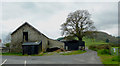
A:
x: 90, y: 57
x: 12, y: 61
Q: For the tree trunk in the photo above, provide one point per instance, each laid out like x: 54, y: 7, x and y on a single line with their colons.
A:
x: 80, y: 38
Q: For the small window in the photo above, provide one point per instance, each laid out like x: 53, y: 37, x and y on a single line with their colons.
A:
x: 48, y: 43
x: 25, y: 36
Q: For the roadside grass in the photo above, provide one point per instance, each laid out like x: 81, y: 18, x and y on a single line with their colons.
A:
x: 19, y: 54
x: 103, y: 51
x: 73, y: 52
x: 106, y: 58
x: 109, y: 59
x: 46, y: 54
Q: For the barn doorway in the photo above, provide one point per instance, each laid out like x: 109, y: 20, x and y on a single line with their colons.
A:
x: 32, y: 47
x: 25, y: 36
x: 32, y: 50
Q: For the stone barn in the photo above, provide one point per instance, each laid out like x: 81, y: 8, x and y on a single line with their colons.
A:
x: 26, y: 33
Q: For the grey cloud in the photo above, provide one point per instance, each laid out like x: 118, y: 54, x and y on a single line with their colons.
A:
x: 119, y: 18
x: 104, y: 14
x: 23, y: 9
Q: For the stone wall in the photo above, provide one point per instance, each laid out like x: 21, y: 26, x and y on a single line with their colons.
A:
x: 33, y: 36
x: 55, y: 43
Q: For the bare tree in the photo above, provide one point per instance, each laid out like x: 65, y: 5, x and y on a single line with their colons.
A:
x: 78, y: 24
x: 7, y: 39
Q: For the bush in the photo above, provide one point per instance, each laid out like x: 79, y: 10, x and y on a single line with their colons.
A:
x: 104, y: 46
x: 99, y: 47
x: 7, y: 44
x: 103, y: 51
x: 115, y: 45
x: 116, y: 58
x: 93, y: 47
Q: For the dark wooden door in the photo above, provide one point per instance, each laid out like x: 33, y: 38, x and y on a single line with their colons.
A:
x: 32, y: 50
x: 29, y: 50
x: 36, y: 49
x: 25, y: 36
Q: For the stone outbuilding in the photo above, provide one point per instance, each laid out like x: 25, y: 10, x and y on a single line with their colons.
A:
x: 26, y: 33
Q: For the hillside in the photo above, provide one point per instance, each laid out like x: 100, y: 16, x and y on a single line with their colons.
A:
x: 89, y: 41
x: 100, y: 38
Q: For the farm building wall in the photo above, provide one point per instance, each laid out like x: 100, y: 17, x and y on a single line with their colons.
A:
x: 33, y: 36
x: 55, y: 43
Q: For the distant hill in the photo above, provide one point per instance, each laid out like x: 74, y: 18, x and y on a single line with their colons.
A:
x: 102, y: 36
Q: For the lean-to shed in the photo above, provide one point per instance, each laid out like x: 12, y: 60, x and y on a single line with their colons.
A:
x: 32, y: 47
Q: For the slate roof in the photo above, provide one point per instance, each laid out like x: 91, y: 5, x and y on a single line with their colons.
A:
x: 32, y: 43
x: 29, y: 26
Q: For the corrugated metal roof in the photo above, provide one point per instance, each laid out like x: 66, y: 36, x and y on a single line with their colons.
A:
x: 32, y: 43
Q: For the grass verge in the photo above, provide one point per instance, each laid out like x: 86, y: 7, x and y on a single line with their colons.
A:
x: 19, y: 54
x: 46, y: 54
x: 104, y: 53
x: 73, y: 52
x: 107, y: 59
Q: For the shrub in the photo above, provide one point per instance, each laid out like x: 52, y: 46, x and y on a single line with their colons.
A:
x: 99, y: 47
x: 7, y: 44
x: 93, y: 47
x: 103, y: 46
x: 103, y: 51
x: 116, y: 58
x: 115, y: 45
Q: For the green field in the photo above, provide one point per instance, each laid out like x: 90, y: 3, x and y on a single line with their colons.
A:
x: 89, y: 41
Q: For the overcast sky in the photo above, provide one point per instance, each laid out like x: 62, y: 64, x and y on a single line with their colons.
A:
x: 48, y: 16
